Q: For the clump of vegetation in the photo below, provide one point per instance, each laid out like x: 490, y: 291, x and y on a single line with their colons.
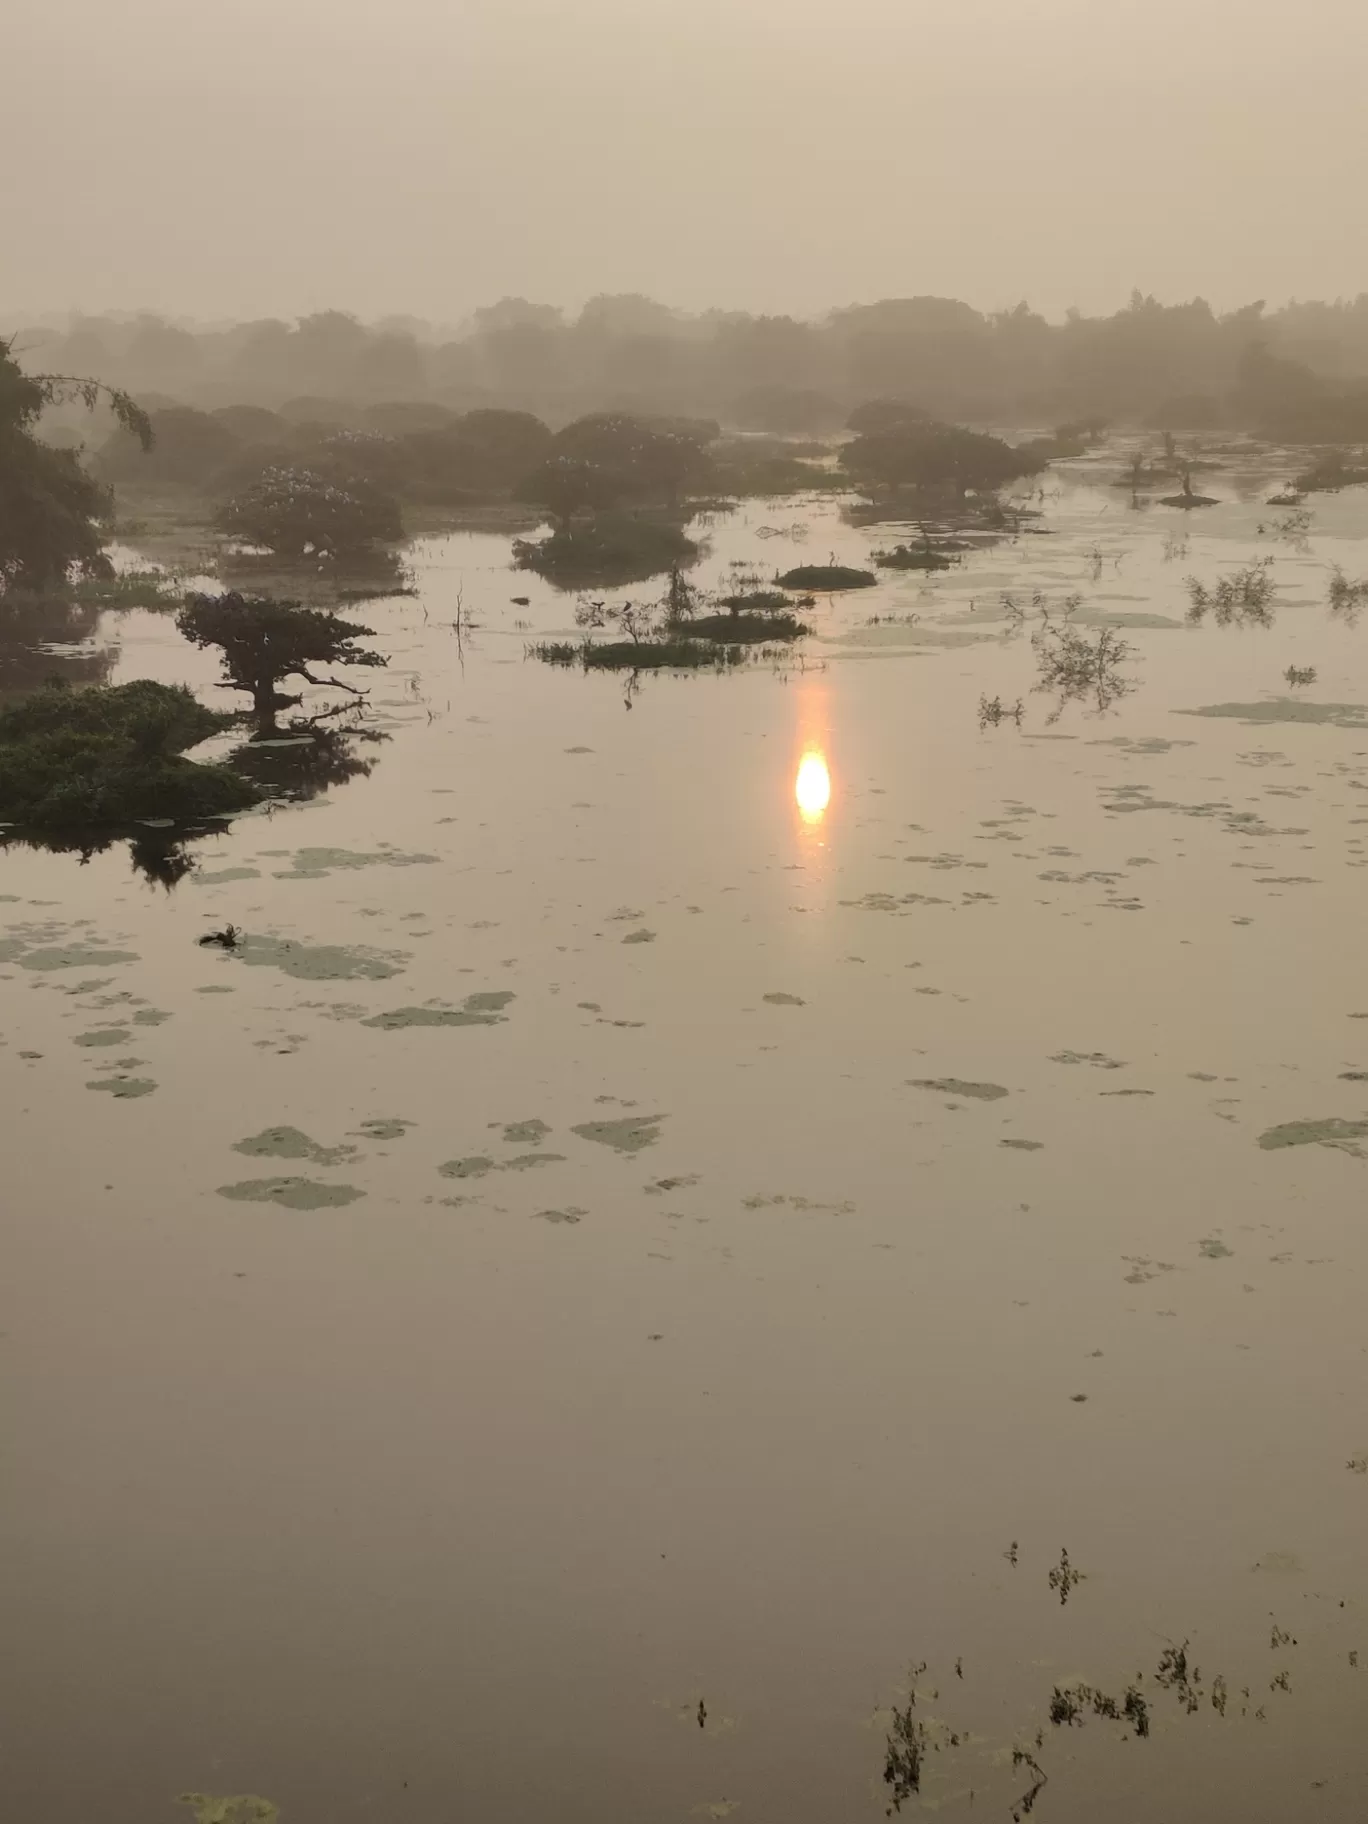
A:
x: 1080, y: 669
x: 1297, y: 675
x: 49, y: 506
x: 108, y: 757
x: 924, y: 556
x: 742, y: 474
x: 993, y: 712
x: 743, y: 601
x: 905, y: 1749
x: 1333, y: 471
x: 1242, y: 599
x: 748, y: 627
x: 1347, y: 599
x: 1188, y: 500
x: 612, y: 548
x: 669, y: 634
x: 826, y: 578
x: 264, y: 642
x: 297, y: 513
x: 129, y: 589
x: 931, y: 455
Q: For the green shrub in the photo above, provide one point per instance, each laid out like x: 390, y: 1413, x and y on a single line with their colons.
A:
x: 111, y: 756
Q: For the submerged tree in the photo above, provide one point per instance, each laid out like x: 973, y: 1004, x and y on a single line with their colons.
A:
x: 49, y: 506
x: 264, y: 641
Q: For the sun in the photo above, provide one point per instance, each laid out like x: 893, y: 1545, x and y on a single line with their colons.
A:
x: 812, y: 788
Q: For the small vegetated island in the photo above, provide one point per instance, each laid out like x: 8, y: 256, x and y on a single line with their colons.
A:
x: 682, y: 631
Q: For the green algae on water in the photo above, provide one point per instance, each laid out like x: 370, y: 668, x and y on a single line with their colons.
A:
x: 1342, y: 1135
x: 1287, y: 709
x: 319, y: 962
x: 478, y: 1166
x: 525, y: 1133
x: 630, y: 1134
x: 108, y: 1035
x: 476, y: 1010
x: 72, y: 956
x: 956, y: 1086
x: 290, y: 1143
x: 785, y: 1000
x: 126, y: 1089
x: 317, y: 864
x: 291, y: 1193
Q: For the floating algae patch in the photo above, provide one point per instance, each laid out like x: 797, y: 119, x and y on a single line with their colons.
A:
x: 70, y: 956
x: 1098, y: 1059
x: 384, y: 1128
x: 1024, y: 1146
x: 290, y: 1143
x: 223, y: 875
x: 525, y: 1133
x: 1286, y: 709
x: 476, y: 1010
x: 956, y: 1086
x: 1343, y: 1135
x: 571, y: 1213
x: 522, y: 1162
x: 630, y: 1134
x: 785, y: 1000
x: 640, y: 937
x: 319, y: 962
x: 109, y: 1035
x: 475, y: 1167
x: 150, y: 1016
x: 317, y: 864
x: 292, y: 1193
x: 127, y: 1089
x: 1211, y: 1247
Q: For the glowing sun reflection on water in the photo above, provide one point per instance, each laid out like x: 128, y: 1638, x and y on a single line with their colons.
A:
x: 812, y: 788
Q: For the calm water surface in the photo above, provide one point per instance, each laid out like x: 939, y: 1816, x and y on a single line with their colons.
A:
x: 698, y: 1197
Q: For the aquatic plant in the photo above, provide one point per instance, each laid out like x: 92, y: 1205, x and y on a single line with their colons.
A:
x: 993, y: 712
x: 1347, y: 600
x: 1244, y: 598
x: 1300, y: 674
x: 1081, y: 669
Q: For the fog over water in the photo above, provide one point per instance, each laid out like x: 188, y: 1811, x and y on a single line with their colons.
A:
x: 275, y: 156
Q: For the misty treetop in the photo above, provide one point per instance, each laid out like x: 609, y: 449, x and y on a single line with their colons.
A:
x: 297, y: 511
x: 923, y: 454
x: 1295, y: 373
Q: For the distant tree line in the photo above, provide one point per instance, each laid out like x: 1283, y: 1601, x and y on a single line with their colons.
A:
x: 1299, y: 372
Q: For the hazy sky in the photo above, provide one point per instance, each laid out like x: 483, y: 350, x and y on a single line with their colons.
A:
x: 267, y: 157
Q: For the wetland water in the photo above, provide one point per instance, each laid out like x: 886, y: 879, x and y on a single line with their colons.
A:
x: 686, y: 1202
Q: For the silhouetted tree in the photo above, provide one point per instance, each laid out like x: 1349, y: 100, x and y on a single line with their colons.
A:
x: 49, y: 505
x: 264, y: 641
